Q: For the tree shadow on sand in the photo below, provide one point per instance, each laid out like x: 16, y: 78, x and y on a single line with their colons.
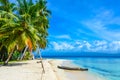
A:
x: 14, y: 64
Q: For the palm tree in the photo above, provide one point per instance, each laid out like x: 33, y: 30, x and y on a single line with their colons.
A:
x: 7, y: 18
x: 20, y: 35
x: 36, y: 14
x: 26, y: 28
x: 14, y: 31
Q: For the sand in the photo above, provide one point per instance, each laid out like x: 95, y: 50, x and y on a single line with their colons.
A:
x: 72, y: 75
x: 31, y: 70
x: 27, y: 70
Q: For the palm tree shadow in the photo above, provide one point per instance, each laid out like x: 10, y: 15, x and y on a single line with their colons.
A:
x: 15, y: 64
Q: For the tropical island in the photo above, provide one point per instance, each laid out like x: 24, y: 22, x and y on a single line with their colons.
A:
x: 24, y: 37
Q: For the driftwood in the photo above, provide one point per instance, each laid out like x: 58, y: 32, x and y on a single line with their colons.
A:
x: 72, y: 68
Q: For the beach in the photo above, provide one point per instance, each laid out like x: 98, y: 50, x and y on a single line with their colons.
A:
x: 71, y: 74
x: 31, y: 70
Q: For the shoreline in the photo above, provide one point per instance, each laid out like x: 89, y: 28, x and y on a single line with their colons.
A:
x: 31, y: 70
x: 85, y: 75
x: 73, y: 75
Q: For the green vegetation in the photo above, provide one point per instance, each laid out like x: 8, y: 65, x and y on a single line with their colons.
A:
x: 22, y: 25
x: 16, y: 55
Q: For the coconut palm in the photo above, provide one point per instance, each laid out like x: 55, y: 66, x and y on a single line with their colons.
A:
x: 7, y: 18
x: 36, y: 14
x: 20, y: 34
x: 26, y: 28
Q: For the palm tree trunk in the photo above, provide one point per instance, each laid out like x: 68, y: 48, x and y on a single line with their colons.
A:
x: 19, y: 56
x: 32, y: 55
x: 10, y: 55
x: 24, y: 52
x: 41, y: 60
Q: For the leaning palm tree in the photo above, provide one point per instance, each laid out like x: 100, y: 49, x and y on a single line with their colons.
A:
x: 7, y: 18
x: 18, y: 35
x: 26, y: 28
x: 23, y: 9
x: 14, y: 29
x: 36, y: 15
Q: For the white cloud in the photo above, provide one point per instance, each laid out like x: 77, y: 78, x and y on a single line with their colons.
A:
x: 63, y: 37
x: 62, y: 46
x: 95, y: 46
x: 86, y: 45
x: 100, y: 43
x: 115, y: 46
x: 98, y: 24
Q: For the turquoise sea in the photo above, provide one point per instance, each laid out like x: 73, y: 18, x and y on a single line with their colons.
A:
x: 107, y: 67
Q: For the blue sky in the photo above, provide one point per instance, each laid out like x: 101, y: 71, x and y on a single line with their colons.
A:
x: 84, y: 25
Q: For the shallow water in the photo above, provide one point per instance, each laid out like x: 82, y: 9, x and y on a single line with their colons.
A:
x: 106, y: 67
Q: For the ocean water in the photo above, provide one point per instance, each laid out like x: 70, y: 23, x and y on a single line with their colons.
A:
x: 109, y: 68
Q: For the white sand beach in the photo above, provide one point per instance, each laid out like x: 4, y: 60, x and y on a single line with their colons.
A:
x: 27, y: 70
x: 31, y: 70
